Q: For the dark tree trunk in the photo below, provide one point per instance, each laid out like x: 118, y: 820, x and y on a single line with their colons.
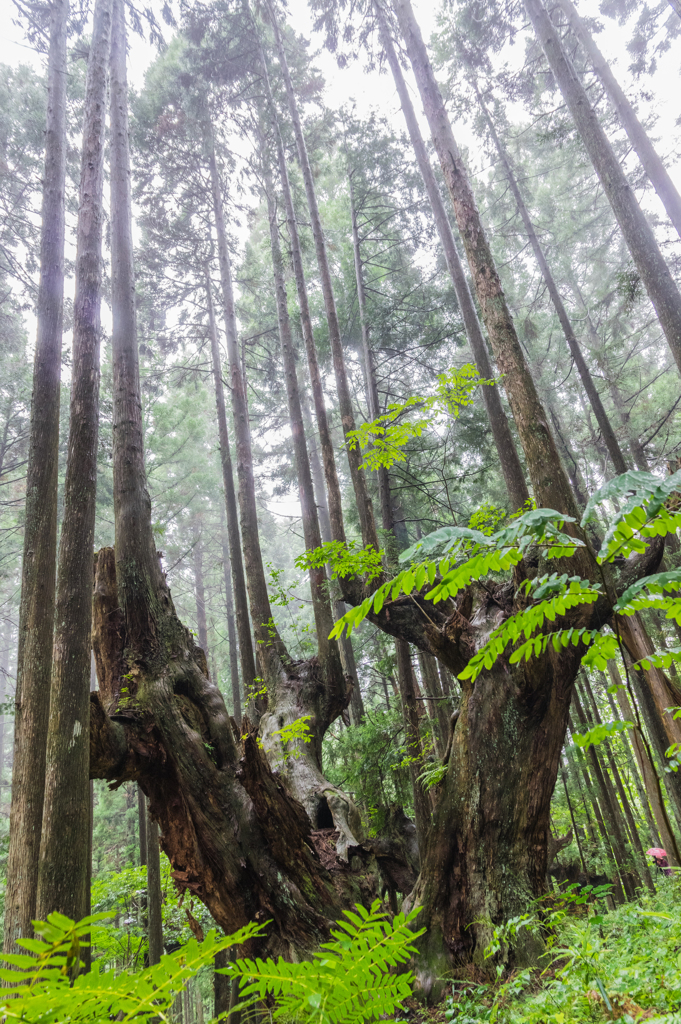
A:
x: 235, y: 564
x: 231, y: 628
x: 638, y: 234
x: 438, y: 706
x: 574, y: 347
x: 36, y: 613
x: 652, y: 164
x: 508, y: 455
x: 63, y: 871
x: 142, y: 817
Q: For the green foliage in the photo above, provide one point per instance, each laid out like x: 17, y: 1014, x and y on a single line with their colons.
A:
x: 296, y: 731
x: 432, y: 775
x: 486, y: 518
x: 597, y: 966
x: 599, y: 733
x: 348, y: 981
x: 643, y: 515
x: 44, y: 990
x: 383, y: 440
x: 345, y: 559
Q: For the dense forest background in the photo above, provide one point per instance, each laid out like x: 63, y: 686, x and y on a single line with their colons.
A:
x: 608, y: 383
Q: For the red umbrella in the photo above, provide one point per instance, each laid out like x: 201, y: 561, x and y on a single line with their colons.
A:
x: 656, y: 851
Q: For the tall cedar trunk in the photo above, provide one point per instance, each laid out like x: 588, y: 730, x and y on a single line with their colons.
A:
x: 339, y: 609
x: 335, y: 508
x: 609, y: 806
x: 327, y: 649
x: 154, y: 896
x: 551, y: 486
x: 646, y: 767
x: 640, y: 861
x: 412, y: 740
x: 235, y: 564
x: 652, y: 164
x: 635, y: 771
x: 601, y: 415
x: 608, y: 837
x: 508, y: 455
x: 231, y: 627
x: 36, y: 613
x: 362, y: 498
x: 234, y: 836
x: 373, y: 403
x: 200, y: 590
x: 638, y: 234
x: 142, y: 826
x: 316, y: 687
x: 261, y: 613
x: 63, y: 879
x: 438, y: 706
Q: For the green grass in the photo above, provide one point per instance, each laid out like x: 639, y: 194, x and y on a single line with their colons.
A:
x: 619, y: 966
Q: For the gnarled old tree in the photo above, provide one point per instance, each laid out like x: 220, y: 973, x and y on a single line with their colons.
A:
x: 235, y: 835
x: 243, y: 819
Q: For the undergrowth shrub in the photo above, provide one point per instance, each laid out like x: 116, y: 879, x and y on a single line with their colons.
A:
x: 346, y: 982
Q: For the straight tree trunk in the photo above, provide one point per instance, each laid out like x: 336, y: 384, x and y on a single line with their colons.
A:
x: 508, y: 455
x: 550, y: 484
x: 646, y: 767
x: 373, y: 402
x: 652, y: 164
x: 328, y: 649
x: 438, y: 707
x: 142, y: 818
x: 234, y: 564
x: 231, y: 627
x: 339, y: 609
x: 641, y: 863
x: 362, y: 498
x: 638, y: 234
x: 608, y: 837
x: 410, y: 711
x: 200, y: 590
x: 575, y: 829
x: 154, y: 896
x: 609, y: 436
x: 610, y: 808
x: 259, y: 603
x: 36, y: 613
x: 64, y: 851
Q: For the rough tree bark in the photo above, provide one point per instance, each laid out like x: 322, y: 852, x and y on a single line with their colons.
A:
x: 652, y: 164
x: 601, y: 415
x: 36, y: 613
x: 503, y: 438
x: 550, y: 484
x: 63, y: 882
x: 637, y: 232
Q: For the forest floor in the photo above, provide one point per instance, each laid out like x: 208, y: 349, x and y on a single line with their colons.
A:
x: 624, y: 965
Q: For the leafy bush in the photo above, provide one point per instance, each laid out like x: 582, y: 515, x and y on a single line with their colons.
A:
x: 346, y: 982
